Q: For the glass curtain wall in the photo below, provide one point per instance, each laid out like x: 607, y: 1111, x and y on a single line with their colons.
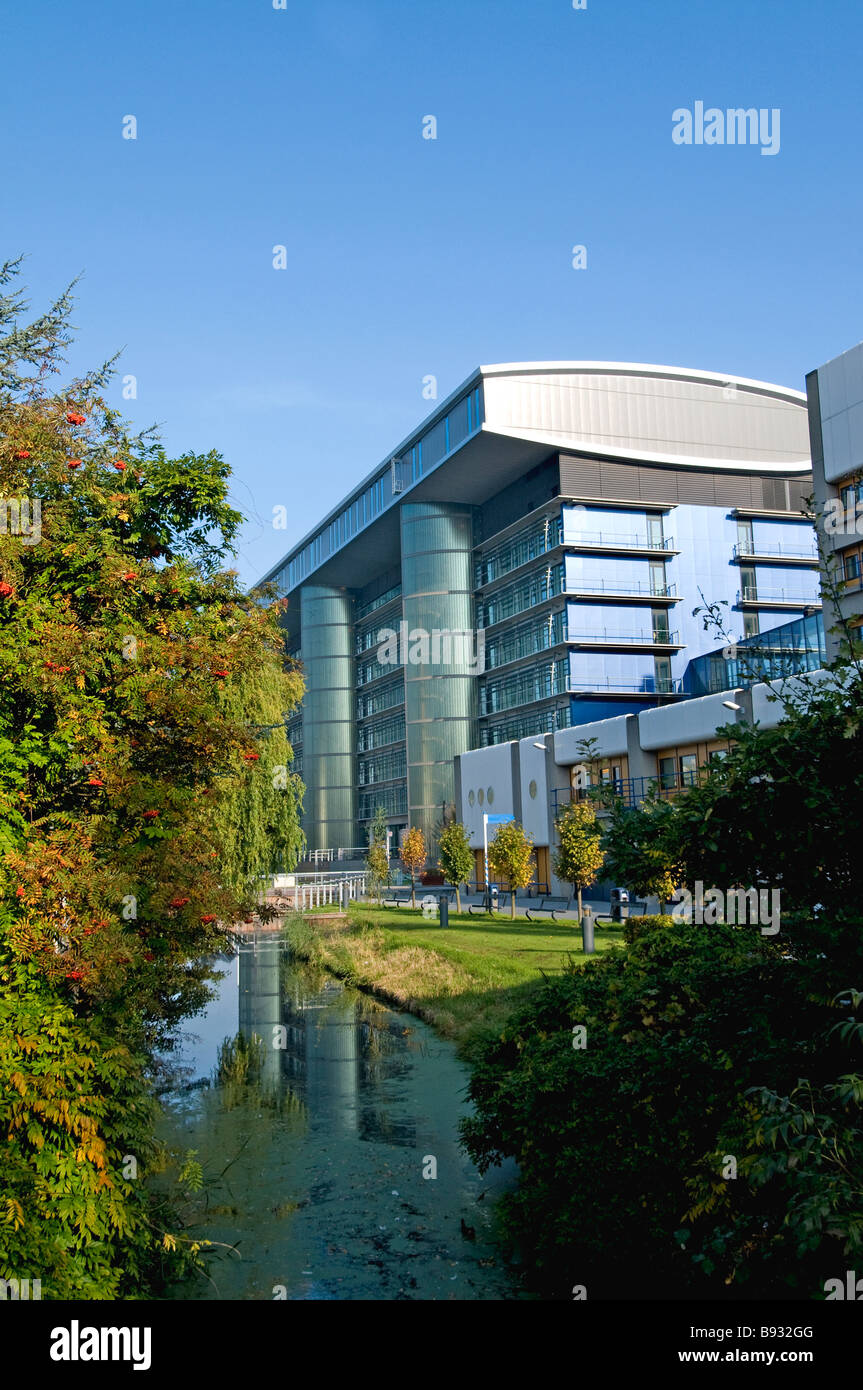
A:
x: 440, y: 669
x: 329, y: 727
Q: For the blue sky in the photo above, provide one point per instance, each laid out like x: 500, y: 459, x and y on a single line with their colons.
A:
x: 302, y: 127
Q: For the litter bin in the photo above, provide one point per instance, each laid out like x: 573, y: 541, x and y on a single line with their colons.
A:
x: 492, y: 901
x: 619, y: 904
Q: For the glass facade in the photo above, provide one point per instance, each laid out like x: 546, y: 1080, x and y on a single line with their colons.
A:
x: 329, y: 728
x: 784, y: 651
x: 437, y: 596
x: 556, y: 612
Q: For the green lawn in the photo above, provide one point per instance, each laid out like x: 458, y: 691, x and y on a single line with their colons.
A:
x: 465, y: 980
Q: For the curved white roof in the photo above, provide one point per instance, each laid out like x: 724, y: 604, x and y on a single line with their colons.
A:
x: 674, y: 415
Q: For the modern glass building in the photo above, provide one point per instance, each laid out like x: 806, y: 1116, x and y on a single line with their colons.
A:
x: 788, y: 650
x: 528, y: 561
x: 835, y: 393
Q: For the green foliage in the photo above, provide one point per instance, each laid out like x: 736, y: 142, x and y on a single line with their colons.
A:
x: 379, y: 865
x: 456, y: 861
x: 708, y: 1048
x: 137, y: 802
x: 510, y: 858
x: 413, y: 855
x: 634, y: 928
x: 637, y: 851
x: 579, y: 857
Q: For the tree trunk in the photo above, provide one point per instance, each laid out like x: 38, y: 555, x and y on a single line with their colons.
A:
x: 457, y: 899
x: 413, y: 893
x: 512, y: 902
x: 578, y: 892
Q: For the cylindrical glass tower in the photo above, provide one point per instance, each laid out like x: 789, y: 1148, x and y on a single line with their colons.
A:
x: 440, y: 669
x: 329, y: 717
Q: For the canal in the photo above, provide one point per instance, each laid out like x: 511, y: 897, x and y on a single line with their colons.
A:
x: 334, y: 1170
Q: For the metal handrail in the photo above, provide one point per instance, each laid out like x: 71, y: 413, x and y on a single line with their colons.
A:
x: 645, y: 639
x: 618, y: 540
x: 748, y: 548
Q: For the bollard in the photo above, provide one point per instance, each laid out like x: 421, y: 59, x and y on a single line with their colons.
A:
x: 443, y: 908
x: 587, y: 932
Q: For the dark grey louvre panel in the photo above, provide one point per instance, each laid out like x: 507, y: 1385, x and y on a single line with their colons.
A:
x: 732, y: 490
x: 580, y: 477
x: 658, y: 485
x: 798, y: 490
x: 619, y: 479
x: 696, y: 488
x: 776, y: 494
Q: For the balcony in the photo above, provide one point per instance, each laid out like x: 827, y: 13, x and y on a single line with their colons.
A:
x: 615, y: 687
x: 659, y: 641
x: 619, y: 543
x: 752, y: 597
x: 630, y: 790
x: 748, y: 551
x: 623, y: 591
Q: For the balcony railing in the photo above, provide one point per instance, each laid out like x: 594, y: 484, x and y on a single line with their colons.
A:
x: 630, y: 790
x: 617, y: 540
x: 656, y: 686
x: 660, y: 638
x: 623, y: 588
x: 751, y: 593
x: 748, y: 549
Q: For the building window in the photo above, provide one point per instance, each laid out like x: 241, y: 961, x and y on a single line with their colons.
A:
x: 657, y: 577
x: 751, y: 625
x: 852, y: 566
x: 748, y: 586
x: 662, y: 670
x: 688, y: 769
x: 667, y: 774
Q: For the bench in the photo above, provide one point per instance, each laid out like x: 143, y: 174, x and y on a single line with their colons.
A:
x: 436, y: 892
x: 397, y: 897
x: 550, y: 905
x: 486, y: 905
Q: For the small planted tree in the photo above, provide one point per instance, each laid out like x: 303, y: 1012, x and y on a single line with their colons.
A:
x: 378, y: 858
x: 509, y: 857
x: 640, y: 848
x: 379, y: 867
x: 456, y: 857
x: 413, y: 856
x: 579, y: 856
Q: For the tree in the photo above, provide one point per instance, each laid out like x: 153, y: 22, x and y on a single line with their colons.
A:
x: 510, y: 858
x: 413, y: 856
x: 579, y: 857
x: 638, y: 852
x: 379, y: 866
x: 740, y: 1053
x: 138, y: 687
x: 456, y: 857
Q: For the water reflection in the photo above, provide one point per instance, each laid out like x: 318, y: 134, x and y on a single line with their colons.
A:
x: 323, y: 1194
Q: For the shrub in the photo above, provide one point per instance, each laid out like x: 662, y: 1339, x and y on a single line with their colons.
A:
x: 634, y: 928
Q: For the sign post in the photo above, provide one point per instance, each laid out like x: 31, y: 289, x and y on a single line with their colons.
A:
x: 488, y: 820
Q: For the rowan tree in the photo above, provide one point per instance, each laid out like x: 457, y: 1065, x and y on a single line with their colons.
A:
x: 145, y: 778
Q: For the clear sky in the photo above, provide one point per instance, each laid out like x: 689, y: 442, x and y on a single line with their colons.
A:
x: 302, y: 127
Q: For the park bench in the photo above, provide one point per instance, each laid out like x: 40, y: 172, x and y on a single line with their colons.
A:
x: 486, y: 904
x: 397, y: 897
x: 436, y: 891
x: 549, y: 905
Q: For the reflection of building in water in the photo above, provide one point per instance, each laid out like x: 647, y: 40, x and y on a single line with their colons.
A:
x: 260, y: 1011
x: 339, y: 1054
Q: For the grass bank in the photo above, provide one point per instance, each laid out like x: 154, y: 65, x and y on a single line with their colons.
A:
x: 465, y: 981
